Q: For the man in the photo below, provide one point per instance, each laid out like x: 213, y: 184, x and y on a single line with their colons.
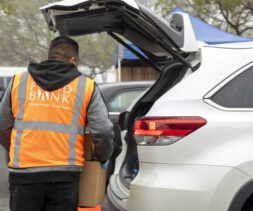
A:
x: 43, y: 116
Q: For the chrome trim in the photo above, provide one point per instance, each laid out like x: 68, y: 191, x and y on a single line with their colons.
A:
x: 213, y: 104
x: 114, y: 113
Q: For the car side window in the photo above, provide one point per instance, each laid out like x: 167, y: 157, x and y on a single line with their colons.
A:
x: 121, y: 101
x: 238, y: 93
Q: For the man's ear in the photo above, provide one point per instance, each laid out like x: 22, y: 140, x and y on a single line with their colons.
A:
x: 73, y: 61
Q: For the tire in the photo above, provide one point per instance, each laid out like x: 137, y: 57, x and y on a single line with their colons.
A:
x: 248, y: 206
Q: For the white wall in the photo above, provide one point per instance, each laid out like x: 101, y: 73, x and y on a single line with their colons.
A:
x: 108, y: 76
x: 10, y: 71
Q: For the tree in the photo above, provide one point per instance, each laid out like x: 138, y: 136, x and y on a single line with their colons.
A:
x: 234, y: 16
x: 147, y: 3
x: 25, y: 37
x: 7, y: 6
x: 24, y: 34
x: 96, y: 53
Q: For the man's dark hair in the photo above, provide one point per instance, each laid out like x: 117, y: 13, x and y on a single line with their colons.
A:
x: 63, y: 48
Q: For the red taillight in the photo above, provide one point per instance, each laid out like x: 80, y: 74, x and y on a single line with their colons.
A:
x: 173, y: 128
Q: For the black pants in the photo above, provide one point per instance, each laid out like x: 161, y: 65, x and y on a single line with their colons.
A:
x: 44, y: 197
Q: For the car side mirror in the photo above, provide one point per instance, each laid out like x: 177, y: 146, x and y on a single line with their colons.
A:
x: 122, y: 120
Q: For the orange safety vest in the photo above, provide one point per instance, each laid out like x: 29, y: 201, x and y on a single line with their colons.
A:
x: 49, y: 125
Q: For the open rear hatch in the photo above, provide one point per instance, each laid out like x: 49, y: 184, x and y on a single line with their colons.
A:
x: 167, y: 46
x: 160, y: 40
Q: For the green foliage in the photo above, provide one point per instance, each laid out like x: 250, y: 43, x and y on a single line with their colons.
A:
x: 147, y: 3
x: 25, y: 36
x: 7, y: 6
x: 96, y: 52
x: 234, y: 16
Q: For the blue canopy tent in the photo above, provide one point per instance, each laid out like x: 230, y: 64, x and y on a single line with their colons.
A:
x: 123, y: 53
x: 209, y: 34
x: 203, y: 31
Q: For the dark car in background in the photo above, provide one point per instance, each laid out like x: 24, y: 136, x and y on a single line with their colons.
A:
x: 4, y: 81
x: 6, y: 74
x: 118, y: 96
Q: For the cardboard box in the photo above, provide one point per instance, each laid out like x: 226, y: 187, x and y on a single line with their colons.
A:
x: 92, y: 184
x: 92, y: 179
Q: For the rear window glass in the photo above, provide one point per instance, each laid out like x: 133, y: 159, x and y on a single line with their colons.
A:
x: 121, y: 101
x: 238, y: 93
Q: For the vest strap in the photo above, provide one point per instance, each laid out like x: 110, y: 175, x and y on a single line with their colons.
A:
x: 81, y: 86
x: 20, y: 125
x: 20, y: 115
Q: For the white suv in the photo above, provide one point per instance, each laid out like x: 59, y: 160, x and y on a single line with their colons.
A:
x: 188, y: 141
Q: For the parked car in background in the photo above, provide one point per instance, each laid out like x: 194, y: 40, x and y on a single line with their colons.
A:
x: 186, y: 143
x: 118, y: 96
x: 6, y: 74
x: 4, y: 81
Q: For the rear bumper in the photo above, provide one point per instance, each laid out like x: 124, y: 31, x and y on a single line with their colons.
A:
x: 117, y: 194
x: 113, y: 203
x: 184, y: 187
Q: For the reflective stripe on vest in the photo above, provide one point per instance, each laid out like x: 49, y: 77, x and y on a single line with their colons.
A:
x: 73, y: 129
x: 21, y: 103
x: 75, y: 118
